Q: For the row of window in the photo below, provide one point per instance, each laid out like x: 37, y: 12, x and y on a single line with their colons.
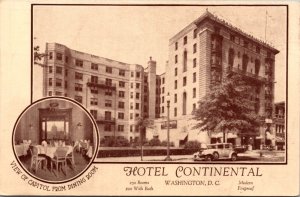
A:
x: 175, y: 110
x: 185, y: 61
x: 184, y: 80
x: 185, y: 40
x: 246, y: 44
x: 160, y: 81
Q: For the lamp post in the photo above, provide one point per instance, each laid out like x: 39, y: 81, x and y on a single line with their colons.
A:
x: 168, y: 158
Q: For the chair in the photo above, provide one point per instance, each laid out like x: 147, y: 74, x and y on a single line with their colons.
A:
x: 36, y: 160
x: 60, y: 156
x: 70, y: 156
x: 83, y: 148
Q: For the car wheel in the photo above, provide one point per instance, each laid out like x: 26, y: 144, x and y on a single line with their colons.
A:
x: 208, y: 157
x: 234, y: 157
x: 216, y: 155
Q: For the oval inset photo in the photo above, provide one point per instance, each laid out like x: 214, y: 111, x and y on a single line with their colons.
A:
x: 55, y: 140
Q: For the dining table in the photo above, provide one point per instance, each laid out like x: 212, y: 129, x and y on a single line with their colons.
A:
x: 21, y: 149
x: 50, y: 150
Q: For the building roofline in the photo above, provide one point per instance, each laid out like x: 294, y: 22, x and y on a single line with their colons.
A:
x: 208, y: 15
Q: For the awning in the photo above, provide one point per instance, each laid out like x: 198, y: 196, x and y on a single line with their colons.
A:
x: 279, y: 139
x: 259, y: 137
x: 216, y: 135
x: 231, y: 135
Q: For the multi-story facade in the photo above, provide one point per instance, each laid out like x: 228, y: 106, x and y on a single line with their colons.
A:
x: 199, y: 56
x: 279, y: 124
x: 117, y: 94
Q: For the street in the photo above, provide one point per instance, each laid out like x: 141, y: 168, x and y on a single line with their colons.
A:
x: 247, y: 157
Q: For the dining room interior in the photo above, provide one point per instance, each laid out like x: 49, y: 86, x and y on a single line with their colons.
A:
x: 55, y: 140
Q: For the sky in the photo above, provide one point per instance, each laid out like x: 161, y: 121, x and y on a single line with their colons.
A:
x: 132, y: 34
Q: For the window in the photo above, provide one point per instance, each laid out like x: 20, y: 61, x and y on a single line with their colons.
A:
x: 94, y: 101
x: 175, y: 84
x: 195, y: 33
x: 163, y: 90
x: 121, y: 105
x: 175, y: 112
x: 107, y: 127
x: 108, y: 92
x: 145, y: 98
x: 176, y: 71
x: 121, y: 94
x: 94, y: 66
x: 120, y: 128
x: 79, y: 63
x: 185, y: 40
x: 122, y: 72
x: 66, y: 59
x: 194, y: 62
x: 94, y: 113
x: 195, y: 48
x: 257, y: 49
x: 131, y: 128
x: 184, y: 101
x: 131, y: 94
x: 58, y: 70
x: 94, y: 90
x: 50, y: 93
x: 66, y: 72
x: 137, y: 115
x: 50, y: 55
x: 136, y: 128
x: 58, y: 93
x: 108, y: 82
x: 162, y: 109
x: 175, y: 98
x: 132, y: 74
x: 194, y: 106
x: 138, y: 74
x: 120, y: 115
x: 137, y: 96
x: 50, y: 69
x: 66, y: 84
x: 131, y: 116
x: 163, y: 80
x: 107, y: 115
x: 131, y: 105
x: 184, y: 61
x: 162, y: 99
x: 78, y: 76
x: 50, y: 81
x: 257, y: 66
x: 184, y: 81
x: 231, y: 58
x: 137, y: 85
x: 78, y: 87
x: 121, y: 84
x: 58, y: 82
x: 176, y: 59
x: 232, y: 38
x: 59, y: 56
x: 176, y: 46
x: 108, y: 103
x: 246, y: 44
x: 137, y: 106
x: 194, y: 77
x: 245, y: 62
x: 194, y: 92
x: 78, y: 99
x: 108, y: 69
x: 145, y: 79
x: 94, y: 79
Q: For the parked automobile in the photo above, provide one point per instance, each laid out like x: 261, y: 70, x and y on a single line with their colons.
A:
x: 216, y: 151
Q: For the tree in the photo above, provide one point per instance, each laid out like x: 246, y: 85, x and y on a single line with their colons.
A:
x: 142, y: 124
x: 227, y: 107
x: 37, y: 56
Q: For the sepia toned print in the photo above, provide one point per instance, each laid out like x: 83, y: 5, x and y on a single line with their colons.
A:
x: 54, y: 140
x: 144, y: 114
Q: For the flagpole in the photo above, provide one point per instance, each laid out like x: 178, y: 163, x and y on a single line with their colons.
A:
x: 266, y: 26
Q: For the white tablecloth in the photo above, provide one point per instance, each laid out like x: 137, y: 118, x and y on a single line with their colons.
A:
x: 21, y: 149
x: 50, y: 150
x: 89, y: 153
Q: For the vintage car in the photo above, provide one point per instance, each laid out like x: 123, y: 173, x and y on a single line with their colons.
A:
x: 216, y: 151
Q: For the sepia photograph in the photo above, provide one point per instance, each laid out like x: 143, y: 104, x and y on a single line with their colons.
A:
x: 55, y: 140
x: 178, y: 84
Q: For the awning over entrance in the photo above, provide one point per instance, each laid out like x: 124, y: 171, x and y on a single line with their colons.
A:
x: 231, y: 135
x: 216, y: 135
x: 270, y: 136
x: 259, y: 137
x: 279, y: 139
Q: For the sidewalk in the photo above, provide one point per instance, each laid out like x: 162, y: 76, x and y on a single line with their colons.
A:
x: 145, y: 158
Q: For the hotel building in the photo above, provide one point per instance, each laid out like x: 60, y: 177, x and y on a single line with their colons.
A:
x: 199, y: 56
x: 117, y: 94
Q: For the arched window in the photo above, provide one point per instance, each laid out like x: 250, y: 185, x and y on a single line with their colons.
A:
x: 230, y: 58
x: 257, y: 66
x: 245, y: 62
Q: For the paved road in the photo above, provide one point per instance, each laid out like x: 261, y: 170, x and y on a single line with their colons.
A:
x: 247, y: 157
